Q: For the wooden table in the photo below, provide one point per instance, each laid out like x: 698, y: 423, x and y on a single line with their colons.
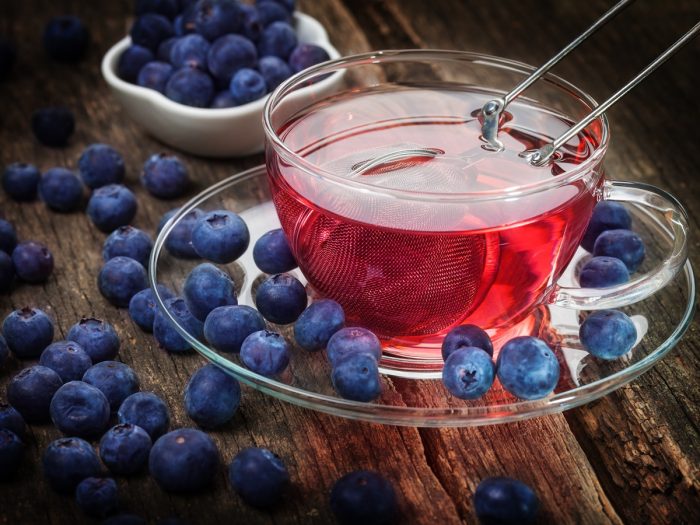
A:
x: 631, y: 457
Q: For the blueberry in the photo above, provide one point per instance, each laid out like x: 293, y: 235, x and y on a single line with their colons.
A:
x: 146, y: 410
x: 465, y: 336
x: 97, y: 496
x: 12, y: 420
x: 132, y: 60
x: 155, y: 75
x: 527, y: 368
x: 66, y: 38
x: 21, y: 181
x: 278, y: 39
x: 265, y: 353
x: 281, y: 298
x: 167, y: 8
x: 601, y: 272
x: 165, y: 48
x: 53, y: 126
x: 31, y: 390
x: 208, y: 287
x: 7, y: 272
x: 164, y: 330
x: 115, y: 380
x: 111, y: 206
x: 190, y: 51
x: 214, y: 18
x: 224, y: 99
x: 68, y: 461
x: 100, y: 165
x: 8, y: 57
x: 212, y: 397
x: 190, y: 87
x: 220, y: 236
x: 124, y: 449
x: 252, y: 26
x: 258, y: 476
x: 67, y: 359
x: 150, y: 30
x: 622, y: 244
x: 228, y: 54
x: 124, y: 519
x: 120, y: 279
x: 179, y: 27
x: 307, y: 55
x: 505, y: 501
x: 184, y: 460
x: 608, y: 334
x: 315, y: 326
x: 607, y: 215
x: 8, y: 236
x: 363, y: 496
x: 80, y: 409
x: 468, y: 373
x: 289, y: 5
x: 128, y: 241
x: 269, y: 12
x: 27, y: 332
x: 247, y: 85
x: 96, y: 337
x: 353, y: 340
x: 61, y: 189
x: 11, y: 452
x: 143, y: 306
x: 165, y: 176
x: 274, y: 70
x: 179, y: 240
x: 356, y: 377
x: 4, y: 349
x: 32, y: 261
x: 226, y: 327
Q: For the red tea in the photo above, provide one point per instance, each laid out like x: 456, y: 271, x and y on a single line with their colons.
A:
x: 399, y: 245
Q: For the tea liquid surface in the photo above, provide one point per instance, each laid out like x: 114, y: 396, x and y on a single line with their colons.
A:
x: 408, y: 267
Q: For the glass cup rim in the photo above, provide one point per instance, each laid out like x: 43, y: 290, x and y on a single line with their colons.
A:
x: 335, y: 67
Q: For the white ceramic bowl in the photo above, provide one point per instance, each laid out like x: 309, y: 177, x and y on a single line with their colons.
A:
x: 229, y: 132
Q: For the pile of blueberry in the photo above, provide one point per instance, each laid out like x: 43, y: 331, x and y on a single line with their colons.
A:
x: 28, y: 261
x: 215, y: 53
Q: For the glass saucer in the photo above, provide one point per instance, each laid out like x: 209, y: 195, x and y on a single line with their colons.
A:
x: 661, y: 321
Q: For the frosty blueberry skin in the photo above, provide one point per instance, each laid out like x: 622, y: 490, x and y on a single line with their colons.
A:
x: 143, y: 306
x: 607, y: 215
x: 272, y: 254
x: 21, y: 181
x: 165, y: 176
x: 112, y: 206
x: 220, y: 236
x: 214, y: 18
x: 258, y: 476
x: 68, y: 461
x: 622, y: 244
x: 27, y: 332
x: 307, y: 55
x: 146, y: 410
x: 115, y: 380
x: 278, y: 39
x: 61, y: 190
x: 190, y: 87
x: 11, y: 452
x: 128, y: 241
x: 67, y: 359
x: 318, y: 323
x: 179, y: 241
x: 527, y: 368
x: 226, y: 327
x: 164, y: 330
x: 281, y: 298
x: 212, y: 397
x: 356, y: 377
x: 8, y: 236
x: 31, y: 391
x: 602, y: 272
x: 12, y: 420
x: 468, y: 373
x: 97, y: 497
x: 265, y: 353
x: 207, y: 287
x: 247, y: 85
x: 190, y: 51
x: 120, y: 279
x: 100, y: 165
x: 353, y: 340
x: 608, y: 334
x: 79, y: 409
x: 505, y: 501
x: 150, y: 29
x: 132, y: 60
x: 124, y: 449
x: 32, y: 262
x: 465, y: 336
x: 363, y: 496
x: 228, y: 54
x: 98, y: 338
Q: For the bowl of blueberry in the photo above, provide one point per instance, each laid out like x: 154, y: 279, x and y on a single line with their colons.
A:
x: 196, y: 74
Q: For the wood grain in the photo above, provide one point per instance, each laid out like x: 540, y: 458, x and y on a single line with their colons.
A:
x: 631, y: 457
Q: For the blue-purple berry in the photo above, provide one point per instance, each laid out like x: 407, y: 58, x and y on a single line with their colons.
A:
x: 269, y: 12
x: 281, y: 298
x: 165, y: 332
x: 179, y: 240
x: 115, y: 380
x: 468, y: 373
x: 165, y: 48
x: 608, y: 334
x: 79, y: 409
x: 247, y: 85
x: 190, y: 51
x: 220, y: 236
x: 12, y: 420
x: 4, y: 349
x: 155, y: 75
x: 207, y: 287
x: 184, y: 460
x: 97, y: 497
x: 132, y: 60
x: 112, y: 206
x: 150, y: 29
x: 228, y: 54
x: 67, y: 359
x: 278, y: 39
x: 252, y: 26
x: 165, y: 176
x: 356, y: 377
x: 258, y: 476
x: 306, y: 55
x: 265, y: 353
x: 98, y: 338
x: 143, y: 306
x: 289, y: 5
x: 363, y: 496
x: 8, y: 236
x: 124, y: 449
x: 128, y: 241
x: 505, y: 501
x: 607, y: 215
x: 622, y: 244
x: 120, y: 279
x: 66, y: 38
x: 226, y: 327
x: 190, y: 87
x: 31, y: 390
x: 465, y: 336
x: 224, y: 99
x: 100, y: 165
x: 214, y: 18
x: 350, y: 341
x: 27, y: 332
x: 274, y: 70
x: 61, y: 190
x: 21, y: 181
x: 317, y: 324
x: 11, y: 452
x: 527, y: 368
x: 167, y: 8
x: 212, y: 397
x: 32, y: 262
x: 602, y: 272
x: 53, y: 126
x: 146, y: 410
x: 68, y: 461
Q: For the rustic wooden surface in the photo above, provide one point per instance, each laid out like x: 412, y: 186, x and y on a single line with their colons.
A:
x: 631, y: 457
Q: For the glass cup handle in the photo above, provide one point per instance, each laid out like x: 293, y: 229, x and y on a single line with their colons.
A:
x: 674, y: 224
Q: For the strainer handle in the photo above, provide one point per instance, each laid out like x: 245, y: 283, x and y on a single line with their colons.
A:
x: 674, y: 224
